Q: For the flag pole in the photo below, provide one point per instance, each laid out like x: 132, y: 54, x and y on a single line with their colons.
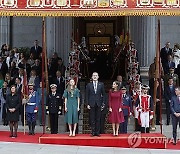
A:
x: 157, y: 75
x: 160, y: 75
x: 44, y: 69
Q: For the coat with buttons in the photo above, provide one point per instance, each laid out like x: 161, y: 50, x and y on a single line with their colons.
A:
x: 54, y: 103
x: 127, y: 105
x: 32, y: 104
x: 13, y: 101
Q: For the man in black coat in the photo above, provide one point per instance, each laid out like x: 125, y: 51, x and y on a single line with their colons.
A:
x: 164, y: 55
x: 168, y: 94
x: 53, y: 107
x: 36, y: 50
x: 175, y: 109
x: 95, y: 100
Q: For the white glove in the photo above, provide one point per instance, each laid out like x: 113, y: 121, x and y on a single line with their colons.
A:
x: 35, y: 111
x: 130, y: 114
x: 140, y: 110
x: 151, y: 117
x: 58, y: 112
x: 47, y: 112
x: 24, y: 101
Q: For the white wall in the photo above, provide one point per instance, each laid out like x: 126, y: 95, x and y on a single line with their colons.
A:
x: 25, y: 30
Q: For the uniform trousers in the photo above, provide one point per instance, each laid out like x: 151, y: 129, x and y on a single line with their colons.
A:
x: 31, y: 117
x: 123, y: 125
x: 54, y: 122
x: 144, y: 116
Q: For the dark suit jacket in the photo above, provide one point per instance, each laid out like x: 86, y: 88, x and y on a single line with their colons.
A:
x: 167, y: 66
x: 168, y: 94
x: 36, y: 52
x: 164, y: 54
x: 19, y: 89
x: 60, y: 86
x: 175, y: 105
x: 93, y: 98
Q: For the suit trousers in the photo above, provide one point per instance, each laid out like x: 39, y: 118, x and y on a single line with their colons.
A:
x: 95, y: 116
x: 54, y: 122
x: 123, y: 125
x: 175, y: 121
x: 168, y: 112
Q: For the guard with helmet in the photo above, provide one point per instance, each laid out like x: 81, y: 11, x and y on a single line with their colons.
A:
x: 144, y: 106
x: 32, y: 108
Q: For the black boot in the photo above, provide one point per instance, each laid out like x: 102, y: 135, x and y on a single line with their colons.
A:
x: 30, y: 128
x: 142, y: 129
x: 147, y: 130
x: 33, y: 127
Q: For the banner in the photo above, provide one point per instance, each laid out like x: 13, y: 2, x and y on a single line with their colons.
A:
x: 89, y: 7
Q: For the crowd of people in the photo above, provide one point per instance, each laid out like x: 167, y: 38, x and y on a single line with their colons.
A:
x: 122, y: 101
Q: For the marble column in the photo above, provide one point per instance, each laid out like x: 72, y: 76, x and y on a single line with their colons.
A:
x: 4, y: 30
x: 59, y: 33
x: 143, y: 33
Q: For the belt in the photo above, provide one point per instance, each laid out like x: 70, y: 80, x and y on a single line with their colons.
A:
x: 31, y: 103
x: 125, y: 107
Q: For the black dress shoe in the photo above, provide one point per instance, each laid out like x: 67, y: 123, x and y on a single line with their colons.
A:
x: 174, y: 143
x: 92, y: 135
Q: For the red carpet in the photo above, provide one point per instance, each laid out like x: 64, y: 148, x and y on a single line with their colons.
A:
x: 136, y: 140
x: 156, y: 141
x: 4, y: 136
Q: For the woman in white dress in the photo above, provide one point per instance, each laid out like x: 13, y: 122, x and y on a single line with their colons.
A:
x: 176, y: 53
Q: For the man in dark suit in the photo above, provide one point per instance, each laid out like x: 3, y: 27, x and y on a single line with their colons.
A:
x: 175, y: 109
x: 168, y: 94
x: 36, y: 50
x: 95, y: 100
x: 127, y: 110
x: 164, y: 55
x: 169, y: 64
x: 19, y: 92
x: 60, y: 82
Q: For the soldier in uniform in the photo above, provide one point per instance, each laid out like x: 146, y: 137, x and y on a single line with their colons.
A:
x: 53, y: 108
x: 32, y: 108
x: 144, y: 105
x: 126, y: 108
x: 175, y: 109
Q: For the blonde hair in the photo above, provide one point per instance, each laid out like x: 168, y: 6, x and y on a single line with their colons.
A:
x: 69, y: 86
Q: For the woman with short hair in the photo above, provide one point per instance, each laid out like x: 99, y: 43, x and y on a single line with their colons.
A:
x: 13, y: 102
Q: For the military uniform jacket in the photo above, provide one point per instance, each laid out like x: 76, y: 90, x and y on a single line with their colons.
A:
x: 32, y: 104
x: 127, y: 105
x: 54, y: 103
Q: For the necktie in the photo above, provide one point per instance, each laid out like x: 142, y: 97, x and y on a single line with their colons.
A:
x: 95, y: 86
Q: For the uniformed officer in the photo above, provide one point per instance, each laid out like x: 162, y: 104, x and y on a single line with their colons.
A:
x: 175, y: 109
x: 53, y: 108
x: 32, y: 108
x: 127, y: 109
